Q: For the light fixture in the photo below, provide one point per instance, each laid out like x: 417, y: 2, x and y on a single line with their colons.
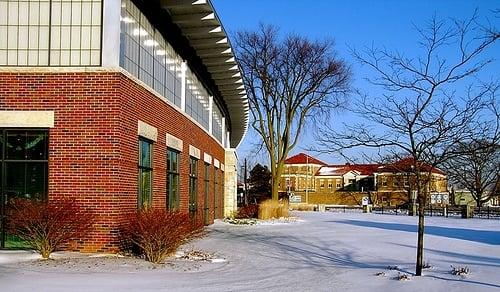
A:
x: 139, y: 32
x: 127, y: 19
x: 150, y: 43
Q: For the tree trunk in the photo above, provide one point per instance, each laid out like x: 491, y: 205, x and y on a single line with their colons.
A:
x: 420, y: 239
x: 274, y: 187
x: 276, y: 176
x: 479, y: 203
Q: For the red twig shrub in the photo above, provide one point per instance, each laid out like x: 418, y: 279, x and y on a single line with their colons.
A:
x: 247, y: 212
x: 45, y: 226
x: 157, y: 233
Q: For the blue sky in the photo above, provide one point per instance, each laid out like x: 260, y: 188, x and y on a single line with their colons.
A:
x: 350, y: 23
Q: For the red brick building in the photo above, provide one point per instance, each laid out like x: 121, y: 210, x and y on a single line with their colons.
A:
x: 141, y: 104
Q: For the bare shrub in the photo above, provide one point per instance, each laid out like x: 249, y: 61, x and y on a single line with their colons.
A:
x: 391, y: 268
x: 197, y: 255
x: 403, y: 277
x: 273, y: 209
x: 247, y: 212
x: 47, y: 227
x: 157, y: 233
x: 460, y: 271
x: 246, y: 221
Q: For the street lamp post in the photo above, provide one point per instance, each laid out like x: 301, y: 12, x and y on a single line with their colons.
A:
x: 307, y: 180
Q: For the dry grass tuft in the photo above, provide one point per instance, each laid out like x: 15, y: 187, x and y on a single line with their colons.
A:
x: 273, y: 209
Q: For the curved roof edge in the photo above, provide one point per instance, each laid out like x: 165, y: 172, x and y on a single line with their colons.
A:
x: 200, y: 24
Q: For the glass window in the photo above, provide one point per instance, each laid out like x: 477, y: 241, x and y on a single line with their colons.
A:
x: 146, y: 55
x: 50, y: 33
x: 196, y: 99
x: 216, y: 193
x: 173, y: 179
x: 217, y: 123
x: 26, y: 145
x: 145, y: 173
x: 26, y: 180
x: 23, y: 168
x: 16, y: 145
x: 193, y: 185
x: 207, y: 176
x: 206, y: 206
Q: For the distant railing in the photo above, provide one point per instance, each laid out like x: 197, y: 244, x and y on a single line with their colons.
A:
x: 344, y: 208
x: 449, y: 211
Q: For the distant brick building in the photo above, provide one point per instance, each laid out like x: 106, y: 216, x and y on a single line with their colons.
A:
x: 118, y: 104
x: 312, y: 181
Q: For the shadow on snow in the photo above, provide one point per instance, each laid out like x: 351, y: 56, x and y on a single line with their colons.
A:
x: 481, y: 236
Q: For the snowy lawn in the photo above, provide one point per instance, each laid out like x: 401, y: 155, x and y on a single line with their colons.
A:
x: 320, y: 252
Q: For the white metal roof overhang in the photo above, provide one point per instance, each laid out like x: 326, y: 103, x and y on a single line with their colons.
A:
x: 200, y: 24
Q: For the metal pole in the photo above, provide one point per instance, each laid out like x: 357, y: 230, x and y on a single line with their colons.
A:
x: 307, y: 180
x: 246, y: 183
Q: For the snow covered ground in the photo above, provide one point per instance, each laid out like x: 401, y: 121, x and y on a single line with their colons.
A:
x: 320, y: 252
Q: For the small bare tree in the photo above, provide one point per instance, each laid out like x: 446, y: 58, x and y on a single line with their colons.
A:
x: 290, y: 82
x: 420, y: 114
x: 476, y: 167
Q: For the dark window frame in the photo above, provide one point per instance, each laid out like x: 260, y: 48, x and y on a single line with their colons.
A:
x: 206, y: 206
x: 216, y: 191
x: 193, y: 185
x: 207, y: 179
x: 141, y: 169
x: 3, y: 171
x: 173, y: 175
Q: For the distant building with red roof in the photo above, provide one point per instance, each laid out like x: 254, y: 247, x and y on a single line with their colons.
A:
x: 407, y: 165
x: 303, y: 158
x: 316, y: 182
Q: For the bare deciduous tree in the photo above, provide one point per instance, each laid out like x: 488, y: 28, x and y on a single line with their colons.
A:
x: 289, y: 81
x: 422, y: 110
x: 476, y: 167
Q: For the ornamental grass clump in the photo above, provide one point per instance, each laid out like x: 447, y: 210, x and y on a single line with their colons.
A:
x: 273, y: 209
x: 157, y: 233
x: 48, y: 226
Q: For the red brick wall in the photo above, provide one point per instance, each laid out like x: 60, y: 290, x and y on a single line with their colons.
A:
x: 93, y: 151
